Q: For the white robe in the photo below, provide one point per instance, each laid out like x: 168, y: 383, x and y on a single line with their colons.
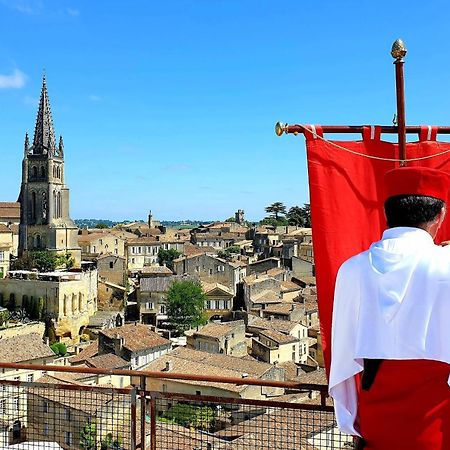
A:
x: 391, y: 302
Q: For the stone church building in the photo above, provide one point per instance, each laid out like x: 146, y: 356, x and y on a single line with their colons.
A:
x: 68, y: 297
x: 44, y: 197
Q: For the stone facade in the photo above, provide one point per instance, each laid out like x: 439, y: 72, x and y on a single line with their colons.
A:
x: 226, y: 338
x: 6, y: 249
x: 210, y: 269
x: 69, y: 297
x: 144, y: 251
x: 112, y: 268
x: 45, y: 222
x: 135, y: 343
x: 97, y: 243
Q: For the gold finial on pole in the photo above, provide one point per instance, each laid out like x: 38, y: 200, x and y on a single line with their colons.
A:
x: 280, y: 128
x: 398, y: 50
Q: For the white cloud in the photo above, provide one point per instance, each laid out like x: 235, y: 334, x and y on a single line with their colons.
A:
x: 14, y: 81
x: 24, y: 6
x: 94, y: 98
x: 73, y: 12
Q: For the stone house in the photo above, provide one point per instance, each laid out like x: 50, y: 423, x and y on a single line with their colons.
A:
x: 260, y: 238
x: 226, y: 338
x: 98, y: 243
x: 24, y: 349
x: 61, y: 418
x: 219, y: 241
x: 302, y: 267
x: 70, y: 297
x: 315, y: 345
x: 211, y: 269
x: 263, y: 265
x: 151, y: 297
x: 6, y: 249
x: 135, y: 343
x: 290, y: 291
x: 10, y: 217
x: 10, y: 213
x: 285, y: 311
x: 103, y: 320
x: 112, y: 268
x: 272, y: 346
x: 260, y: 291
x: 188, y: 361
x: 297, y: 330
x: 143, y: 251
x: 311, y: 307
x: 220, y: 300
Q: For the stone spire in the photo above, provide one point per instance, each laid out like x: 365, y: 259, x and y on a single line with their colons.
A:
x: 61, y: 147
x: 26, y: 146
x: 44, y: 141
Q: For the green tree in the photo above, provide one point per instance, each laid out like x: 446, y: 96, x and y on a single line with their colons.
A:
x: 4, y: 317
x: 109, y: 443
x: 185, y: 303
x: 300, y: 216
x: 295, y: 216
x: 33, y: 311
x: 59, y: 349
x: 199, y: 417
x: 276, y: 210
x: 12, y: 302
x: 306, y: 215
x: 102, y: 225
x: 40, y: 308
x: 65, y: 260
x: 88, y: 436
x: 26, y: 304
x: 44, y: 261
x: 166, y: 257
x: 229, y: 252
x: 281, y: 222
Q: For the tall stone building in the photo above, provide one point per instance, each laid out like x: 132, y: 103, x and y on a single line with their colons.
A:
x: 44, y: 197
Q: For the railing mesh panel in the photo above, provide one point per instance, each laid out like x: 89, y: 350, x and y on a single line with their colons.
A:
x: 45, y: 416
x: 197, y: 424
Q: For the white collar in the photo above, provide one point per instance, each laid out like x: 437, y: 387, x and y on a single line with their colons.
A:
x: 408, y: 232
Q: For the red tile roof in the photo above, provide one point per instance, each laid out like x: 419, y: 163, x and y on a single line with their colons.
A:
x: 10, y: 210
x: 136, y: 337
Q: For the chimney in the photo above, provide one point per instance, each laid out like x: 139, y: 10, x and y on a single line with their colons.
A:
x: 118, y: 344
x: 169, y: 366
x: 271, y: 318
x: 47, y: 341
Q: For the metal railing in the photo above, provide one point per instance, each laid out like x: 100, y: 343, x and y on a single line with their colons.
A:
x: 160, y: 411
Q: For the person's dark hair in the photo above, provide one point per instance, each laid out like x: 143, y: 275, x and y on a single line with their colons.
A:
x: 411, y: 210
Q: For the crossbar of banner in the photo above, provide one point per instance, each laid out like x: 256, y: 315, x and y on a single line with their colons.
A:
x: 398, y: 52
x: 281, y: 128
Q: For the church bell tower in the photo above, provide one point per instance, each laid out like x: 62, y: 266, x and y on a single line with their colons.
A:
x: 44, y: 197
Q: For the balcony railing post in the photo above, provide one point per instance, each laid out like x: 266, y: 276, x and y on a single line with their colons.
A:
x: 133, y: 419
x: 152, y: 421
x: 143, y: 411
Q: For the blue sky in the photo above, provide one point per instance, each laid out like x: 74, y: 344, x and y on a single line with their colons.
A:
x: 171, y: 105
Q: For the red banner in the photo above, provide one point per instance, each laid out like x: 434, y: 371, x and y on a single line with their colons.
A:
x: 346, y: 201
